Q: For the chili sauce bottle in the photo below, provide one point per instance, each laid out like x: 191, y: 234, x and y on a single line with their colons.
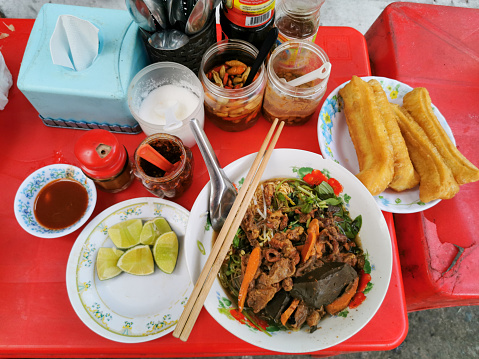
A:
x: 104, y: 160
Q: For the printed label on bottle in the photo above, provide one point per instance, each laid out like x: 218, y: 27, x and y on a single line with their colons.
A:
x: 248, y: 13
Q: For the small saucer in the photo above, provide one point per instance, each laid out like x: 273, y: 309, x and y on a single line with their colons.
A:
x: 28, y: 191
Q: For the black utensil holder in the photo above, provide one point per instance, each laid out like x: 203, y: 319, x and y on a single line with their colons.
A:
x: 189, y: 55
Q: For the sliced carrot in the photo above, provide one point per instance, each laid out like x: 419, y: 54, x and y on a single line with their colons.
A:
x: 313, y: 233
x: 287, y: 313
x: 342, y: 302
x: 251, y: 268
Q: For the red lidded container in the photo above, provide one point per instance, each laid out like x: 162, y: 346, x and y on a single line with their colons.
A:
x: 104, y: 160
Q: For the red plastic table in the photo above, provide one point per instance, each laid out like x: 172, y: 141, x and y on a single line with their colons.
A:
x: 437, y: 47
x: 37, y: 318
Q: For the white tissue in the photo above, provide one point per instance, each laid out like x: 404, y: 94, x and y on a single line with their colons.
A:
x: 5, y: 82
x: 74, y: 43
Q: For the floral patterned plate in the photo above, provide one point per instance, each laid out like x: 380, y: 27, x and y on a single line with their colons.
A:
x: 375, y: 240
x: 335, y: 143
x: 31, y: 186
x: 128, y: 308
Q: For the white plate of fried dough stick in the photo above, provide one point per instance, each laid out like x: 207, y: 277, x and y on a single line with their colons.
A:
x: 407, y: 152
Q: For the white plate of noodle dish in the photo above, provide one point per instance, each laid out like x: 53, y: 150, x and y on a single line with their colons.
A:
x: 311, y: 262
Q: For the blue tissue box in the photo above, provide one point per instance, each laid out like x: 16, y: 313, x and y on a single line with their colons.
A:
x: 97, y: 96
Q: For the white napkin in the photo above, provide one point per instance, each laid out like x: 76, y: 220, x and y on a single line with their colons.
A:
x: 74, y: 43
x: 5, y: 82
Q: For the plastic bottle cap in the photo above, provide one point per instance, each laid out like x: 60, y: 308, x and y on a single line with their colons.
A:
x: 100, y: 154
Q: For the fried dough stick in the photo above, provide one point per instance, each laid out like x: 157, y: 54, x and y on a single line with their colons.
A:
x: 405, y: 176
x: 369, y: 136
x: 437, y: 181
x: 418, y: 104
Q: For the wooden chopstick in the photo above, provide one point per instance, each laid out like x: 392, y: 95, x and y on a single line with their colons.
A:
x: 225, y: 238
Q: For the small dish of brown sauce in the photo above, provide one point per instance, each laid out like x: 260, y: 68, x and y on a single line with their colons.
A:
x: 60, y: 203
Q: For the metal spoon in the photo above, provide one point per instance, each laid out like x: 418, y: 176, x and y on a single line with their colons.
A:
x: 168, y: 39
x: 176, y: 15
x: 200, y: 15
x: 158, y: 11
x: 222, y: 193
x: 141, y: 15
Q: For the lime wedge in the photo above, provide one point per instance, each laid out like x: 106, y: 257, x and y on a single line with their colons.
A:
x: 137, y: 260
x: 153, y: 229
x: 106, y: 260
x: 126, y: 234
x: 165, y: 252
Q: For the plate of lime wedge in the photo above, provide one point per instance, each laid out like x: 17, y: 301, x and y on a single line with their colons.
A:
x: 126, y: 275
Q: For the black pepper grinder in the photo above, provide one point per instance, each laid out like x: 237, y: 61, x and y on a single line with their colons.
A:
x: 104, y: 160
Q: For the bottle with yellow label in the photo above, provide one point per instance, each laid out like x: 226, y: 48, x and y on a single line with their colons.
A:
x: 248, y: 20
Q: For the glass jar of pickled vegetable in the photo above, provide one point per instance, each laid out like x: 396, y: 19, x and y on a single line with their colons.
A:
x: 223, y: 71
x: 295, y: 105
x: 172, y: 183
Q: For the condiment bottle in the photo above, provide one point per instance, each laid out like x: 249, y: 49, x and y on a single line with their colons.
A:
x: 297, y: 19
x: 172, y: 183
x: 104, y: 160
x: 247, y: 20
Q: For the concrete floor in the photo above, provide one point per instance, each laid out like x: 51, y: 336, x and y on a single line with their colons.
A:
x: 433, y: 334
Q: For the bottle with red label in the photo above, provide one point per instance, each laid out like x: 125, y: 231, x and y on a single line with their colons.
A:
x: 297, y: 19
x: 248, y: 20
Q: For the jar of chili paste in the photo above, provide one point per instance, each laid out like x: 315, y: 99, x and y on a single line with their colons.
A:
x: 173, y: 183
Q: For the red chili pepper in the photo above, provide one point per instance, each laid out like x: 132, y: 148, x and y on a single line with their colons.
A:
x: 364, y: 279
x: 358, y: 298
x: 315, y: 178
x: 337, y: 187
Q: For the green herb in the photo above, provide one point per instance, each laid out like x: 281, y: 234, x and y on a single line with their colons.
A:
x: 343, y: 314
x: 324, y: 190
x: 201, y: 247
x: 236, y: 239
x: 351, y: 228
x: 333, y: 201
x: 208, y: 223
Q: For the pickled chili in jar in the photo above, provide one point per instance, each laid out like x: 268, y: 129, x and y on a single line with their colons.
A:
x: 173, y: 182
x: 224, y: 68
